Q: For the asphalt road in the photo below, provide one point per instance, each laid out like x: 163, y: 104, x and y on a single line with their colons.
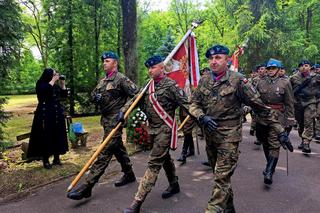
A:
x: 297, y: 192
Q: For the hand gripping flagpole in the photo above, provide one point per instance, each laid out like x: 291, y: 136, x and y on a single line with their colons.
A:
x: 195, y: 24
x: 107, y: 139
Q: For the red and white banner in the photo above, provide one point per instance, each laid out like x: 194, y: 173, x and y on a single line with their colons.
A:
x: 235, y: 59
x: 184, y: 65
x: 194, y: 62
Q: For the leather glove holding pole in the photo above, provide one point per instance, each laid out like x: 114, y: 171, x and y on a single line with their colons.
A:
x: 120, y: 117
x: 208, y: 122
x: 107, y: 139
x: 285, y: 141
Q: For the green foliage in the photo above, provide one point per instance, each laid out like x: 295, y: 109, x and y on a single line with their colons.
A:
x: 10, y: 36
x: 4, y: 116
x: 286, y: 29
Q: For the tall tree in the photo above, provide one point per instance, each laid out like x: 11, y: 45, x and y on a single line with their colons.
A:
x: 129, y: 41
x: 36, y: 27
x: 10, y: 43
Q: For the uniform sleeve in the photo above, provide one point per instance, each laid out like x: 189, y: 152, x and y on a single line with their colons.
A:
x: 180, y: 97
x: 94, y: 93
x: 288, y: 103
x: 129, y: 87
x: 196, y: 102
x: 251, y: 97
x: 130, y: 102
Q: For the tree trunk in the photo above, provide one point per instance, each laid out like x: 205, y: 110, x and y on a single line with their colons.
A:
x: 70, y: 59
x: 129, y: 35
x: 308, y: 22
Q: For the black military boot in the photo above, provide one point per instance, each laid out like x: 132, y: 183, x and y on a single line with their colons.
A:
x: 134, y: 207
x: 266, y: 154
x: 171, y: 190
x: 189, y: 139
x: 271, y: 165
x: 182, y: 158
x: 300, y: 145
x: 125, y: 179
x: 205, y: 163
x: 306, y: 148
x: 251, y: 132
x: 257, y: 142
x: 83, y: 191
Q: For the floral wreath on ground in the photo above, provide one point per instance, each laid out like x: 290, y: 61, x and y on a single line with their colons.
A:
x: 137, y: 131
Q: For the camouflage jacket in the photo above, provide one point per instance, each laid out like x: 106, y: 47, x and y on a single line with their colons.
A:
x: 306, y: 95
x: 223, y: 100
x: 169, y: 96
x: 115, y: 91
x: 277, y: 93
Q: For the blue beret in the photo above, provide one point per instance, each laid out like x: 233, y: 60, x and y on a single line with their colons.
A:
x: 109, y: 54
x: 316, y: 66
x: 274, y: 63
x: 153, y: 60
x: 217, y: 49
x: 259, y: 66
x: 304, y: 62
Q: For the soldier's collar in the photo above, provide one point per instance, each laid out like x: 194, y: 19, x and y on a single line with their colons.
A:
x: 223, y: 78
x: 112, y: 75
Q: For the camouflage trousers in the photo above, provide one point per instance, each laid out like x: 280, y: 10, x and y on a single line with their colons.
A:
x: 269, y: 139
x: 223, y: 157
x: 253, y: 121
x: 305, y: 118
x: 114, y: 147
x: 317, y: 120
x: 159, y: 157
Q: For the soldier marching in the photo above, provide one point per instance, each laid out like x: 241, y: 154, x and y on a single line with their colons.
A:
x: 216, y: 106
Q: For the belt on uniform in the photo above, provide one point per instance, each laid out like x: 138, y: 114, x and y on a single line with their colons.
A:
x: 279, y: 107
x: 229, y: 123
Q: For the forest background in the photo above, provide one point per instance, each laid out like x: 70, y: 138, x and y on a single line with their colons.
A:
x: 70, y: 35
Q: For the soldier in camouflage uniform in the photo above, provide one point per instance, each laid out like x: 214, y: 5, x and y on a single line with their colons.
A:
x: 110, y: 94
x: 169, y: 96
x: 261, y: 70
x: 276, y: 92
x: 216, y: 103
x: 305, y: 86
x: 316, y: 68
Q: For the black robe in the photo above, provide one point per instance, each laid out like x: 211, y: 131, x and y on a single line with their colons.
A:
x: 48, y: 133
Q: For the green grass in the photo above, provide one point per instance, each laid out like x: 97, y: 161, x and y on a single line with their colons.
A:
x: 19, y: 101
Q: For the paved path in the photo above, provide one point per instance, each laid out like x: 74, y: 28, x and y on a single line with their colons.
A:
x: 298, y: 192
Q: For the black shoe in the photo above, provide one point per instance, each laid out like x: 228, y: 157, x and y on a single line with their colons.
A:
x: 171, y: 190
x: 251, y: 132
x: 134, y: 207
x: 56, y: 162
x: 83, y: 191
x: 205, y: 163
x: 306, y: 148
x: 268, y: 178
x: 190, y: 153
x: 257, y: 143
x: 300, y: 145
x: 317, y: 137
x: 182, y: 159
x: 125, y: 179
x: 47, y: 165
